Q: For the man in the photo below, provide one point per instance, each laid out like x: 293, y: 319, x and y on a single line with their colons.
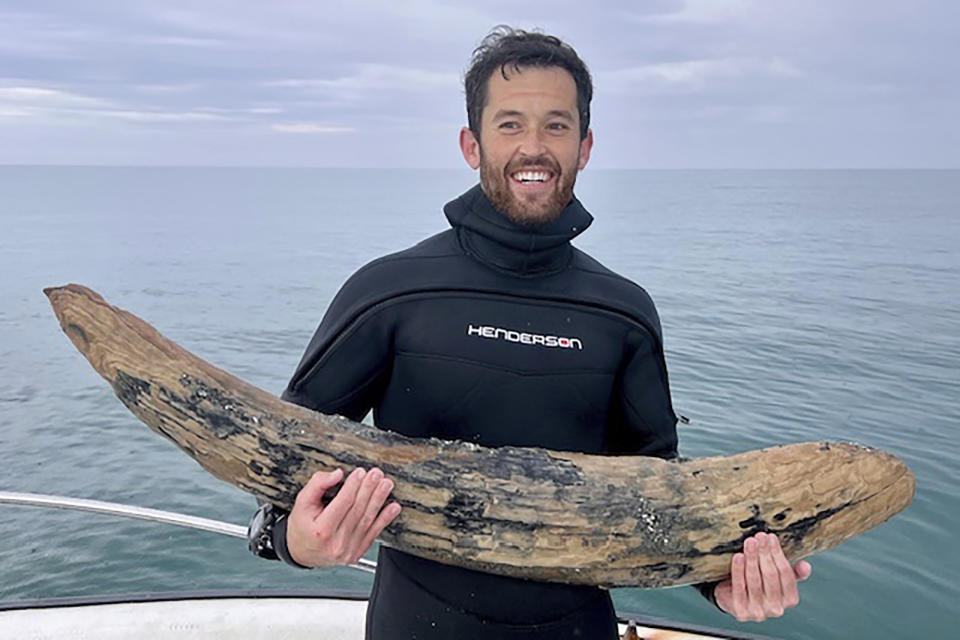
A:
x: 499, y: 332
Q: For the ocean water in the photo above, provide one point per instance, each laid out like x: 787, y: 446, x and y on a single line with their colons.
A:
x: 797, y: 305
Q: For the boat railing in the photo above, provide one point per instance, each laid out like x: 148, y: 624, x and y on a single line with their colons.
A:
x: 142, y: 513
x: 631, y: 622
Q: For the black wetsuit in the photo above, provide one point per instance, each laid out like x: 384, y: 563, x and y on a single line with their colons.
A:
x: 500, y: 335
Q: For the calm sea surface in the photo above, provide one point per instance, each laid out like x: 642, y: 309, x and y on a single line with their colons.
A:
x: 796, y: 306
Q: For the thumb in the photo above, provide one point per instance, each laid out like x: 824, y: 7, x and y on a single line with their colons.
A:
x: 802, y: 570
x: 310, y: 497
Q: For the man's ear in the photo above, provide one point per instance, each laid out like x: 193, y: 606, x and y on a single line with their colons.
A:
x: 470, y: 147
x: 585, y: 146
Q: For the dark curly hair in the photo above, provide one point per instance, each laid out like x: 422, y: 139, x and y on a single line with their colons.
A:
x: 514, y: 48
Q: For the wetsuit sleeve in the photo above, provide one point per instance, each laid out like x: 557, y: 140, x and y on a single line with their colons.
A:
x: 348, y: 359
x: 342, y: 375
x: 647, y: 425
x: 343, y: 368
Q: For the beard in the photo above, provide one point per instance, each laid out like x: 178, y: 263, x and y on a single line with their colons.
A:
x: 532, y: 210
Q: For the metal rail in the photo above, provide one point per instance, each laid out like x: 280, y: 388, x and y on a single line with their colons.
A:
x: 141, y: 513
x: 238, y: 531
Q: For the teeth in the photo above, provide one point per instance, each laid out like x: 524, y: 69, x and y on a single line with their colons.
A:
x: 531, y: 176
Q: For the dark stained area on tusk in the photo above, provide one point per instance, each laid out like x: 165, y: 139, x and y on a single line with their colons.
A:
x: 129, y: 388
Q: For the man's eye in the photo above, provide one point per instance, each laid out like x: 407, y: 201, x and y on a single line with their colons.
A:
x: 557, y: 126
x: 510, y: 125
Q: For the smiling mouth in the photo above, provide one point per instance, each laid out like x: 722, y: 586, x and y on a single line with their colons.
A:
x: 532, y: 176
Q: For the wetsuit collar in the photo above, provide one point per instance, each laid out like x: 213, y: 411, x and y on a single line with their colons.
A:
x: 493, y: 239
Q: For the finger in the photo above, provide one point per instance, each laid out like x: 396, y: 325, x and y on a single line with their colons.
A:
x: 802, y: 570
x: 788, y: 580
x: 311, y: 496
x: 751, y: 552
x: 375, y: 504
x: 373, y: 509
x: 770, y: 573
x: 333, y: 514
x: 386, y: 516
x: 350, y: 522
x: 738, y: 590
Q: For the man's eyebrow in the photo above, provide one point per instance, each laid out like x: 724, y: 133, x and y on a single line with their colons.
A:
x: 507, y: 113
x: 513, y: 113
x: 561, y: 113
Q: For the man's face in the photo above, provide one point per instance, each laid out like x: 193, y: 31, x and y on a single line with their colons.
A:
x: 529, y: 149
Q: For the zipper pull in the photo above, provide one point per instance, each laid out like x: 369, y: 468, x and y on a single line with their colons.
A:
x: 683, y: 419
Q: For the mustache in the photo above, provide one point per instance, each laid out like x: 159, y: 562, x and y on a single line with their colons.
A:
x: 539, y: 162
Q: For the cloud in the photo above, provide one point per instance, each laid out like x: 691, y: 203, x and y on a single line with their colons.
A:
x: 34, y: 34
x: 194, y: 20
x: 261, y: 110
x: 181, y: 87
x: 691, y: 74
x: 227, y: 70
x: 375, y: 77
x: 703, y: 11
x: 162, y: 116
x: 176, y: 41
x: 729, y: 113
x: 43, y: 97
x: 310, y: 128
x: 56, y: 105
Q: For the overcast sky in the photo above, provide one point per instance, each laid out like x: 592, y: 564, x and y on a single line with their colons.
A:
x: 678, y: 83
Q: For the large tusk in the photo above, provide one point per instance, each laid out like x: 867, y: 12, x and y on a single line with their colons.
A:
x: 523, y: 512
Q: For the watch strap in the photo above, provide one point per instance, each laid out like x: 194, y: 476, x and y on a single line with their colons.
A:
x: 280, y: 542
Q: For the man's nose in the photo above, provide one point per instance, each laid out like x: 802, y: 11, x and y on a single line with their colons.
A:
x: 532, y: 143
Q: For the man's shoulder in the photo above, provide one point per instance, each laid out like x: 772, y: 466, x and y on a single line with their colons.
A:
x: 620, y: 291
x: 439, y: 246
x: 403, y: 270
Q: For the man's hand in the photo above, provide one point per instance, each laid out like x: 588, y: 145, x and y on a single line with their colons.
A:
x: 342, y: 531
x: 762, y: 583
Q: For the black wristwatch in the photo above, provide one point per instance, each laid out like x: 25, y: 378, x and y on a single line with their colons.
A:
x: 260, y: 531
x: 267, y: 535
